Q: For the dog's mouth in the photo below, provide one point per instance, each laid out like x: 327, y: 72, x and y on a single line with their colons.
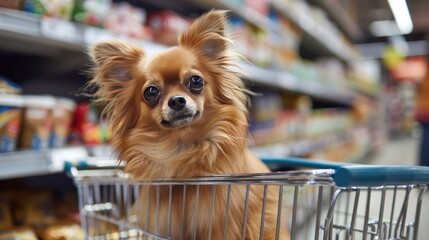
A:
x: 181, y: 120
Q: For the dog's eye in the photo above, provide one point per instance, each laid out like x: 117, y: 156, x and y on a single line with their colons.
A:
x: 196, y: 84
x: 151, y: 95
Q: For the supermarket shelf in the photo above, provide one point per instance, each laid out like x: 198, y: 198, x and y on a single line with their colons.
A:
x: 40, y: 162
x: 317, y: 37
x: 17, y: 26
x: 286, y: 81
x: 369, y: 91
x: 249, y: 15
x: 340, y: 17
x: 301, y: 147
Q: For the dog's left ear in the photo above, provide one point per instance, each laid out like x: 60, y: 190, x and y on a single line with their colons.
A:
x: 207, y: 35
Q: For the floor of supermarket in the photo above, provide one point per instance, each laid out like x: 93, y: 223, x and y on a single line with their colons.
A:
x: 404, y: 151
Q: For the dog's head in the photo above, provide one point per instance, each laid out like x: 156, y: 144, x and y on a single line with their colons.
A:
x: 174, y: 89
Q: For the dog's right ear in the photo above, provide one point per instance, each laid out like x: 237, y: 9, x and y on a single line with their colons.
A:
x: 115, y: 66
x: 115, y: 59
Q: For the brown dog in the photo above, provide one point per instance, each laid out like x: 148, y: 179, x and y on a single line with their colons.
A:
x: 182, y: 114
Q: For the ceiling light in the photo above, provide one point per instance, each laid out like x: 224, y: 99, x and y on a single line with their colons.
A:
x: 402, y: 15
x: 384, y: 28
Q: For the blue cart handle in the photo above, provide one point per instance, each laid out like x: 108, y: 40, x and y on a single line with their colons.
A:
x: 353, y: 175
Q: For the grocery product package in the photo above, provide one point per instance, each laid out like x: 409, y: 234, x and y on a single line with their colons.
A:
x: 88, y: 127
x: 7, y: 86
x: 126, y: 20
x: 10, y: 121
x: 167, y: 25
x: 61, y: 9
x: 91, y: 12
x: 62, y: 119
x: 37, y: 121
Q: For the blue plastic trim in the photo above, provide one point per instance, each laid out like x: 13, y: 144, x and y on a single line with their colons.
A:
x: 302, y: 162
x: 372, y: 176
x: 352, y: 175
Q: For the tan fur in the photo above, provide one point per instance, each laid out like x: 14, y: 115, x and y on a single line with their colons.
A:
x: 213, y: 144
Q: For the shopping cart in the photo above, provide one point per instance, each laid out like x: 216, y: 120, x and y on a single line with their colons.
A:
x: 335, y: 201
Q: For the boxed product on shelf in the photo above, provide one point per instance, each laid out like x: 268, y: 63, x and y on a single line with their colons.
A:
x: 167, y: 26
x: 32, y: 207
x: 322, y: 122
x: 39, y: 214
x: 260, y: 52
x: 305, y: 70
x: 7, y: 86
x: 62, y: 119
x: 260, y: 6
x: 283, y: 44
x: 61, y: 230
x: 61, y: 9
x: 37, y: 121
x: 365, y: 74
x: 21, y: 233
x: 332, y: 72
x: 88, y: 127
x: 237, y: 3
x: 12, y: 4
x: 276, y: 118
x: 265, y: 105
x: 10, y: 121
x: 91, y: 12
x: 126, y: 21
x: 239, y: 33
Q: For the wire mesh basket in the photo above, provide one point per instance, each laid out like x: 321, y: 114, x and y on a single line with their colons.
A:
x: 337, y: 202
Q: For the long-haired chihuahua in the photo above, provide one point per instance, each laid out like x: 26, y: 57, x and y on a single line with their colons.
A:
x: 182, y: 114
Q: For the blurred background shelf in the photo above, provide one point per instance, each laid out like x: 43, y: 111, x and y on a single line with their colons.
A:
x: 24, y: 32
x: 321, y: 40
x: 284, y: 80
x: 28, y: 163
x: 337, y: 12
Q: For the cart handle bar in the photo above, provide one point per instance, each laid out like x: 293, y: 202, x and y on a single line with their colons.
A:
x: 353, y: 175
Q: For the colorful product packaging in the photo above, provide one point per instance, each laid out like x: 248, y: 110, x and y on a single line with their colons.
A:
x: 88, y: 127
x: 12, y: 4
x: 167, y: 26
x: 10, y: 121
x: 9, y: 87
x: 37, y: 121
x: 126, y: 20
x: 61, y: 9
x: 62, y: 120
x: 91, y: 12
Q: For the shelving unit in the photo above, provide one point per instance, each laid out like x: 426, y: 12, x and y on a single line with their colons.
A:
x: 287, y: 81
x: 302, y: 147
x: 33, y: 30
x: 315, y: 37
x: 29, y: 163
x: 339, y: 15
x: 318, y: 38
x: 27, y: 33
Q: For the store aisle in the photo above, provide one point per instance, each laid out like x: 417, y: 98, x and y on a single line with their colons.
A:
x: 398, y: 152
x: 404, y: 152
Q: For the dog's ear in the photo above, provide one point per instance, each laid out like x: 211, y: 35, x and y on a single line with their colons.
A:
x: 207, y: 35
x: 115, y: 66
x: 115, y: 59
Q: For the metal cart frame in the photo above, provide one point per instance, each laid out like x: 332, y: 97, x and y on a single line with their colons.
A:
x: 337, y: 201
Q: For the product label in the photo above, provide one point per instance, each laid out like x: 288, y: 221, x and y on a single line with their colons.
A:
x: 9, y: 128
x: 37, y: 128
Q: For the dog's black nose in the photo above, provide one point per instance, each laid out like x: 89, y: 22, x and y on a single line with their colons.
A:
x: 177, y: 102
